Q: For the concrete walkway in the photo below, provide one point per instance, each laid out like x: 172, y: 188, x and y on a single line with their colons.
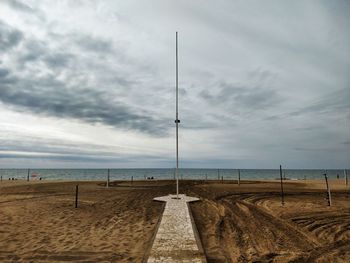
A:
x: 175, y: 240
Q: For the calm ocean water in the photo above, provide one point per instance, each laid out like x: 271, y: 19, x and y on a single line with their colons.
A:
x: 137, y: 174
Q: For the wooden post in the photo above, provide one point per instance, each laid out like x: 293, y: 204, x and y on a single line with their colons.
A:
x: 282, y: 192
x: 28, y: 175
x: 239, y: 177
x: 1, y: 178
x: 328, y: 191
x: 346, y: 177
x: 76, y: 195
x: 107, y: 184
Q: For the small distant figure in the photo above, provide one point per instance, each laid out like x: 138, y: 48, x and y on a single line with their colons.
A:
x: 337, y: 176
x: 40, y: 178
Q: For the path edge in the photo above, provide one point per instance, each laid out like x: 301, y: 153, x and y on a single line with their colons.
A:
x: 149, y: 248
x: 196, y: 233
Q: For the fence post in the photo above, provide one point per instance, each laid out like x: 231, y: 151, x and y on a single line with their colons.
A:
x: 282, y: 192
x: 28, y: 175
x: 76, y: 195
x: 328, y: 190
x: 346, y: 177
x: 108, y: 171
x: 239, y: 177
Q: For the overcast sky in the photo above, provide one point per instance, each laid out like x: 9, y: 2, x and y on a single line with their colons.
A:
x: 92, y: 83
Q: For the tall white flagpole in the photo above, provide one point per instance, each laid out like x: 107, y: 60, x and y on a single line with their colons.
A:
x: 177, y: 121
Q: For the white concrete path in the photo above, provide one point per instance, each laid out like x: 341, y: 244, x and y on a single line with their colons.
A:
x: 175, y: 240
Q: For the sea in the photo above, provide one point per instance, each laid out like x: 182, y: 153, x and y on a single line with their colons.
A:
x: 164, y: 174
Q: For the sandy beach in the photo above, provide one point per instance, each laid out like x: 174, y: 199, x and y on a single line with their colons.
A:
x: 246, y: 223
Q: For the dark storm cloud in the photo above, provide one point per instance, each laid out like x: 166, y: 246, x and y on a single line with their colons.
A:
x: 53, y: 98
x: 9, y: 37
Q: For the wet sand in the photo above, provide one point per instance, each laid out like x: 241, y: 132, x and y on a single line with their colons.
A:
x: 246, y: 223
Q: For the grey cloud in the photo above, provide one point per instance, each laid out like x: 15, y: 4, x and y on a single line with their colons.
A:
x: 60, y: 150
x: 18, y: 5
x: 85, y: 42
x: 95, y: 45
x: 58, y: 157
x: 261, y: 75
x: 249, y: 98
x: 338, y: 101
x: 9, y: 37
x: 58, y: 59
x: 38, y: 51
x: 3, y: 73
x: 6, y: 78
x: 334, y: 102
